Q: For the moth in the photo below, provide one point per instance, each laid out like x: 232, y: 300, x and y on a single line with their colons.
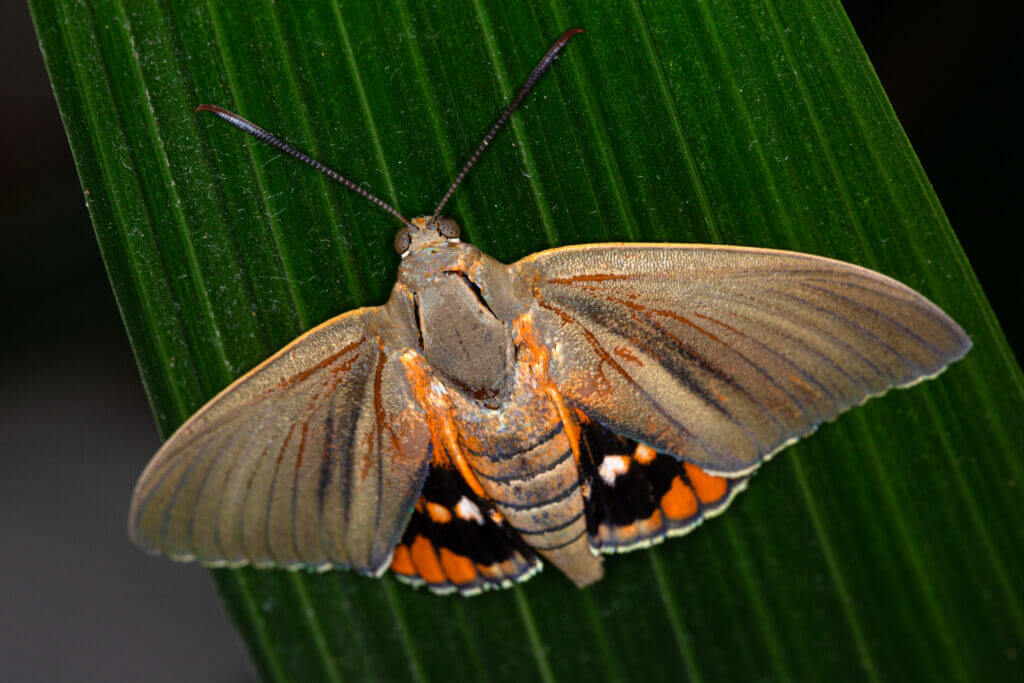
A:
x: 584, y: 400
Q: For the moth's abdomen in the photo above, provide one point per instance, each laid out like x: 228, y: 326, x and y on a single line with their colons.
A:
x: 538, y: 491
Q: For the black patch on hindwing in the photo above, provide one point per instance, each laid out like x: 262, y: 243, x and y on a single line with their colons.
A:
x: 457, y: 542
x: 649, y: 496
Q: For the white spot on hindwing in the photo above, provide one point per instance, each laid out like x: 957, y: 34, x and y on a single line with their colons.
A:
x: 612, y: 466
x: 467, y: 510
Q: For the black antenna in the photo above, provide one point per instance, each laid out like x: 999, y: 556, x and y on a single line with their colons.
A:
x: 264, y: 136
x: 538, y: 72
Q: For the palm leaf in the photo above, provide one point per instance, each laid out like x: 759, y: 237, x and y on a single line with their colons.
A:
x: 888, y: 546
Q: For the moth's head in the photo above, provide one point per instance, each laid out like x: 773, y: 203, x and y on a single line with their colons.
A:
x: 424, y: 235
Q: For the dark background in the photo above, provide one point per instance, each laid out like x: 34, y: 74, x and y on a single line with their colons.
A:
x: 81, y: 603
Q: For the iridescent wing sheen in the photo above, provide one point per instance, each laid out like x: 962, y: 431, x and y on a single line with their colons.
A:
x: 723, y: 355
x: 313, y: 459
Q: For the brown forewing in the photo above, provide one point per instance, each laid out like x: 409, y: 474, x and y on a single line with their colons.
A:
x: 722, y: 355
x: 312, y: 459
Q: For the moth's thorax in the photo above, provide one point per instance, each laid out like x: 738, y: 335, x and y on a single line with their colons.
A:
x: 525, y: 419
x: 458, y: 304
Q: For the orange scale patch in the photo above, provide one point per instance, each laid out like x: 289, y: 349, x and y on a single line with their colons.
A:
x: 512, y: 568
x: 679, y: 502
x: 651, y: 525
x: 709, y: 489
x: 489, y: 571
x: 459, y: 568
x: 401, y: 561
x: 500, y: 571
x: 644, y: 455
x: 438, y: 513
x: 425, y: 560
x: 625, y: 535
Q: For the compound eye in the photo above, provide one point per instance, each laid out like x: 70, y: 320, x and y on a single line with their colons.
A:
x: 403, y: 240
x: 448, y: 229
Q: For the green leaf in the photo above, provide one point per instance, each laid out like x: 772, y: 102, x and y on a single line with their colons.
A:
x: 885, y: 547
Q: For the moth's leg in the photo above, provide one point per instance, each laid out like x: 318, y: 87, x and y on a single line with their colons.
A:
x: 569, y: 423
x: 432, y: 395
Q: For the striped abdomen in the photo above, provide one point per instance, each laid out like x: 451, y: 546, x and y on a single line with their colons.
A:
x: 538, y: 491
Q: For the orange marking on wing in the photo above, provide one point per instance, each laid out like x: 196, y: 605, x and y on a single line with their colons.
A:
x: 628, y: 355
x: 679, y: 502
x: 302, y: 448
x: 458, y: 567
x: 300, y: 376
x: 709, y: 488
x: 401, y: 561
x: 425, y: 560
x: 644, y: 454
x: 509, y: 568
x: 687, y: 321
x: 439, y: 513
x: 490, y: 571
x: 805, y: 385
x: 378, y: 409
x: 652, y: 523
x: 670, y: 314
x: 603, y: 277
x: 383, y: 419
x: 496, y: 516
x: 601, y: 352
x: 718, y: 322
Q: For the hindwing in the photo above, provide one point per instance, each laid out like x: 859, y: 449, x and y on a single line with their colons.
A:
x: 637, y: 496
x: 456, y: 541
